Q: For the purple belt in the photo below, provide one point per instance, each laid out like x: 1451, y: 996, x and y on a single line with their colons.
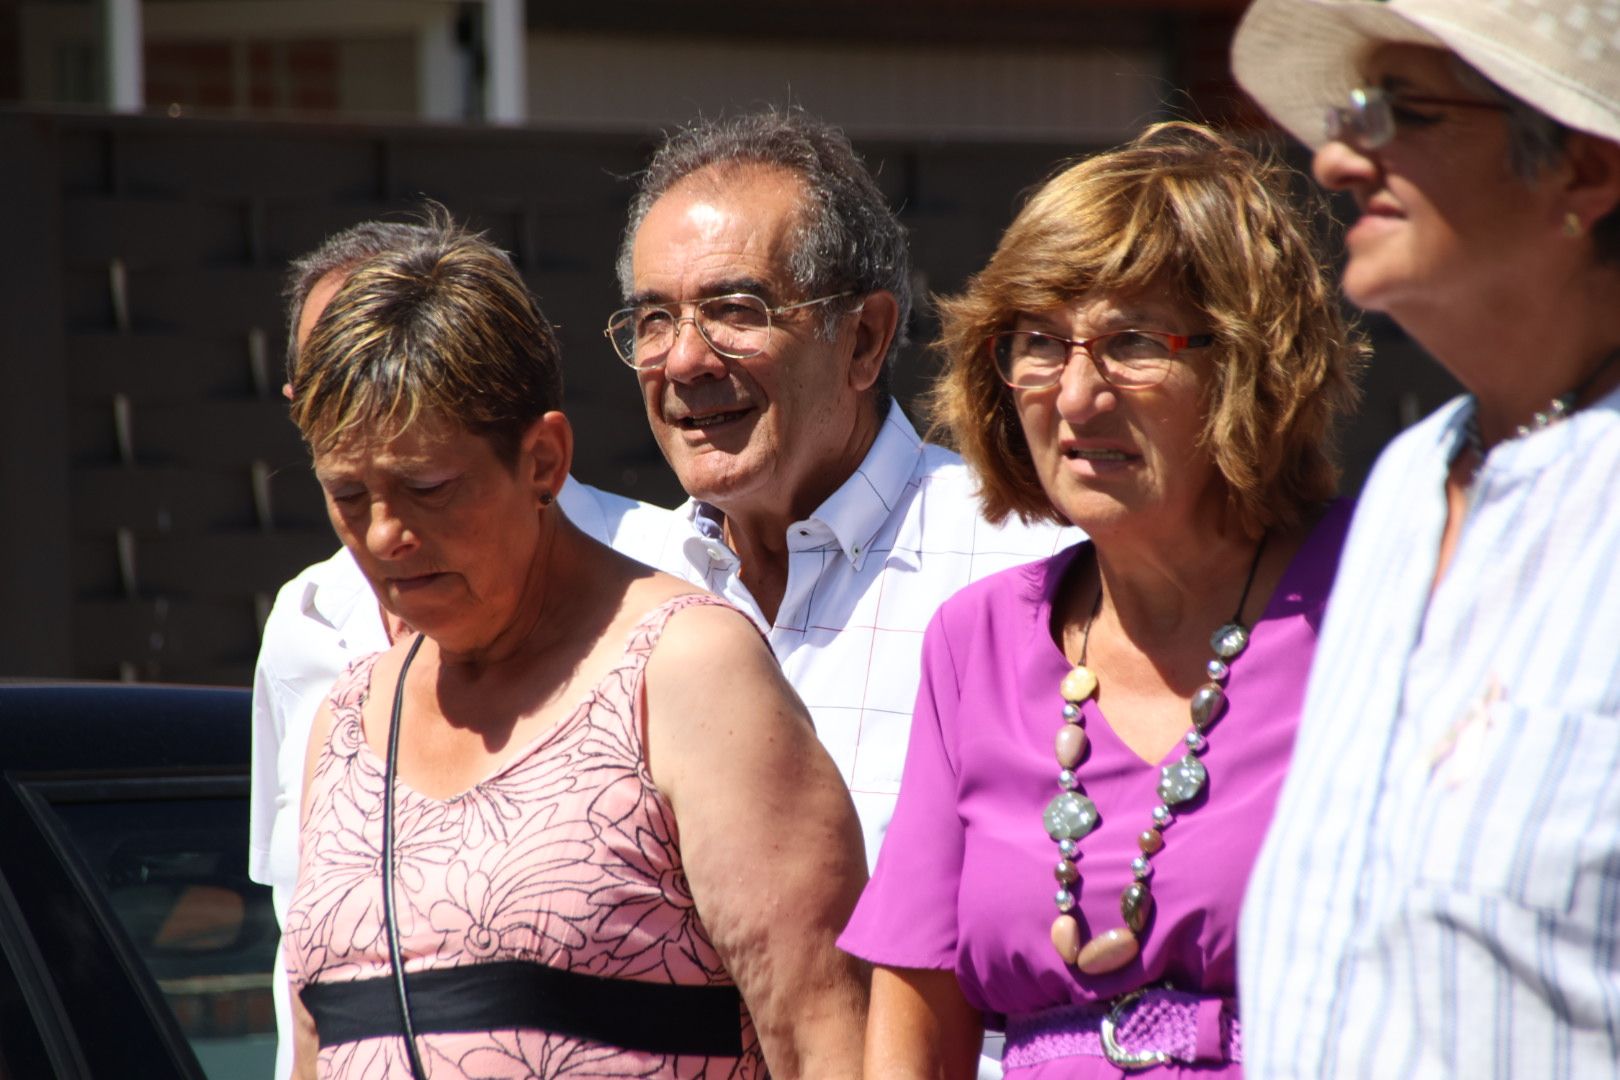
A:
x: 1138, y: 1030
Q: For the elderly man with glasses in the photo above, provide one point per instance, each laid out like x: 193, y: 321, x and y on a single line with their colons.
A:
x: 767, y: 286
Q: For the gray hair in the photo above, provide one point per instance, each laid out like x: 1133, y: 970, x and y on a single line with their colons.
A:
x: 1536, y: 142
x: 847, y: 238
x: 343, y: 251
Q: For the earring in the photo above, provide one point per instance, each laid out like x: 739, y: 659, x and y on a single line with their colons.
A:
x: 545, y: 498
x: 1572, y: 225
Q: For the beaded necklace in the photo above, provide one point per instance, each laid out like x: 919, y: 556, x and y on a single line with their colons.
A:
x: 1071, y: 815
x: 1557, y: 411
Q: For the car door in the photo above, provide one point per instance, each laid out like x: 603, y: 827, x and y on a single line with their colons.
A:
x: 134, y: 943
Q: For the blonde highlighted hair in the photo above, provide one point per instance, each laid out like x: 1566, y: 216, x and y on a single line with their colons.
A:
x: 439, y: 325
x: 1185, y: 210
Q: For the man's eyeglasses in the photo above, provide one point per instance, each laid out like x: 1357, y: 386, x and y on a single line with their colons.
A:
x: 736, y: 326
x: 1370, y: 120
x: 1126, y: 359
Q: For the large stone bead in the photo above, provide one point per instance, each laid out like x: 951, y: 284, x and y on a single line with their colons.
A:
x: 1071, y: 745
x: 1066, y: 937
x: 1108, y: 952
x: 1070, y: 816
x: 1182, y: 780
x: 1229, y: 641
x: 1206, y: 704
x: 1136, y: 906
x: 1078, y: 684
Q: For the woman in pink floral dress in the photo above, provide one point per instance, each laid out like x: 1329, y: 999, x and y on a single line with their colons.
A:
x: 619, y: 849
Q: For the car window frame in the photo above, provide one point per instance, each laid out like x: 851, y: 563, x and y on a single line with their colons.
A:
x: 52, y: 1029
x: 37, y: 796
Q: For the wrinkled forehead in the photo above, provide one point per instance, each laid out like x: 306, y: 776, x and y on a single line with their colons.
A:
x: 371, y: 436
x: 731, y: 228
x: 733, y: 181
x: 348, y: 452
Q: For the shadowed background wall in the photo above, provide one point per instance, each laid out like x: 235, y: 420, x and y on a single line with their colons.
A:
x: 153, y: 494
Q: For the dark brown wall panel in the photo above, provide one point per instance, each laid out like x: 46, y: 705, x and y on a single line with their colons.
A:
x: 153, y: 493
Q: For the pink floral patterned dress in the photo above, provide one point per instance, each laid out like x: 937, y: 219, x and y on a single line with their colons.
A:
x: 567, y: 857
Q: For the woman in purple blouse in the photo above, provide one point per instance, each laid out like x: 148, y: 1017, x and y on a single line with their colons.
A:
x: 1155, y: 355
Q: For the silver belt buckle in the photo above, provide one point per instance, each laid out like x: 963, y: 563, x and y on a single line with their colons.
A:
x: 1117, y: 1055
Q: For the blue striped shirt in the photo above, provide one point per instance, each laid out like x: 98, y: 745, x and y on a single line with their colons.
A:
x: 1439, y: 894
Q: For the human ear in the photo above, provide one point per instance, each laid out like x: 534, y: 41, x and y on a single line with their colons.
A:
x: 876, y: 323
x: 1591, y: 179
x: 546, y: 453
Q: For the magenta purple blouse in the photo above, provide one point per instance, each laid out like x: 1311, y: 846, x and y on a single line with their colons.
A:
x: 964, y: 879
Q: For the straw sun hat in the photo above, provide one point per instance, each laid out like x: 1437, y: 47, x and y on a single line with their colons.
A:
x: 1296, y: 57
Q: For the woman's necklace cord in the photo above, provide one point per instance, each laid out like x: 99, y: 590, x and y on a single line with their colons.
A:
x: 1070, y: 816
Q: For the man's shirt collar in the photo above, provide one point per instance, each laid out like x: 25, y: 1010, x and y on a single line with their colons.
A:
x: 851, y: 516
x: 338, y: 593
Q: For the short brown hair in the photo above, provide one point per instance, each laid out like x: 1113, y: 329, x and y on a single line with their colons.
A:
x: 1183, y: 207
x: 440, y: 325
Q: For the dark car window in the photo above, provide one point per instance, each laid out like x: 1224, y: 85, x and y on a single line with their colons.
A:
x: 173, y: 871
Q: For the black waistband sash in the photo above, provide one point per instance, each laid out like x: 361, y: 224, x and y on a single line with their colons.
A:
x: 658, y: 1018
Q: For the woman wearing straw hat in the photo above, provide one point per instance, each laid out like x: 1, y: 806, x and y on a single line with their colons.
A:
x: 1440, y: 891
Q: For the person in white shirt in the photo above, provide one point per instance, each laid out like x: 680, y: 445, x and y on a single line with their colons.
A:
x: 1440, y: 891
x: 328, y: 615
x: 767, y: 286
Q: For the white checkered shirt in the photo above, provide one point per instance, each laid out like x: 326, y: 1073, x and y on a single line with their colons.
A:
x: 867, y: 570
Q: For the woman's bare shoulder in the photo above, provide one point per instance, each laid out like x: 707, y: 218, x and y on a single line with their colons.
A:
x: 657, y: 587
x: 646, y: 593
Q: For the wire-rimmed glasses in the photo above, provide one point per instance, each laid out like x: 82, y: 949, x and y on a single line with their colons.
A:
x: 736, y: 326
x: 1371, y: 120
x: 1126, y: 359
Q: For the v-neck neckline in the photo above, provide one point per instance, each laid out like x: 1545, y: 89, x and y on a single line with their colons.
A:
x: 529, y: 748
x: 1085, y: 548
